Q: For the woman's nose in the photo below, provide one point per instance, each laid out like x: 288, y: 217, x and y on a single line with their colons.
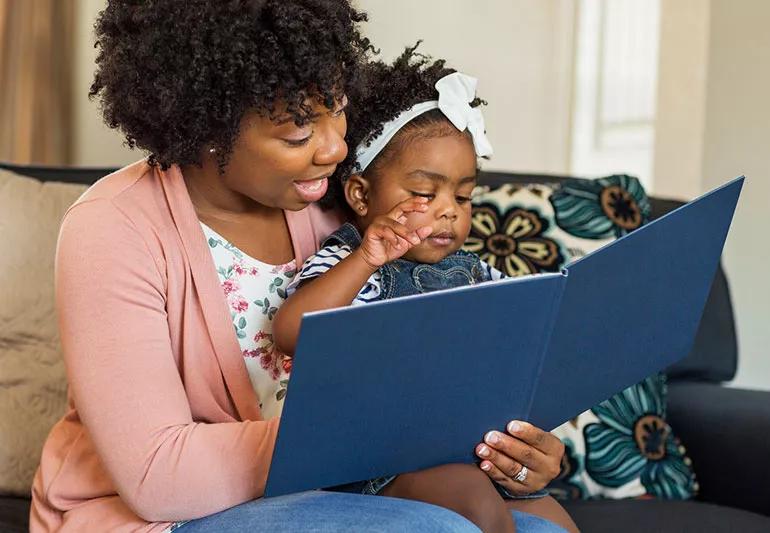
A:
x: 332, y: 149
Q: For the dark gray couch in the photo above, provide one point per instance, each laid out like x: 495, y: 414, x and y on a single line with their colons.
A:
x: 725, y: 429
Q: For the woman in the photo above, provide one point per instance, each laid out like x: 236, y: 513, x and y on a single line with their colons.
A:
x: 173, y: 414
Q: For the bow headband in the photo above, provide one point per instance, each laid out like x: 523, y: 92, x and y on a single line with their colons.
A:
x: 455, y: 94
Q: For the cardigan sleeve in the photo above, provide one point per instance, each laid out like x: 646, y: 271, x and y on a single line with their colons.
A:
x: 126, y: 387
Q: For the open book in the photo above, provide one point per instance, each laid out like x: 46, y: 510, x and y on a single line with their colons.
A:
x: 415, y: 382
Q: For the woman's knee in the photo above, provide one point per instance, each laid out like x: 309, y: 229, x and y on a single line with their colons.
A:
x: 542, y: 514
x: 330, y: 511
x: 461, y: 488
x: 478, y: 500
x: 424, y: 517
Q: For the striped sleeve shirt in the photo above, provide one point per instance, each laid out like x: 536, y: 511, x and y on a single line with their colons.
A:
x: 329, y: 256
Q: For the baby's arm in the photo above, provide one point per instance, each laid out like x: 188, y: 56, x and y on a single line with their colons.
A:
x: 385, y: 240
x: 337, y: 287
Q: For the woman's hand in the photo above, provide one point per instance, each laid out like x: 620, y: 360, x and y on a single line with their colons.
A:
x: 387, y: 238
x: 503, y: 455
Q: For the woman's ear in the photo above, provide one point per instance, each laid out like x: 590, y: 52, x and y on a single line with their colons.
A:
x: 357, y: 194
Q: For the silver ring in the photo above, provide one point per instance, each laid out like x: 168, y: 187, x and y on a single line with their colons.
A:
x: 521, y: 477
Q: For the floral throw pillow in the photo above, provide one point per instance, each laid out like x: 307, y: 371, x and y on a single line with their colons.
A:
x: 623, y: 447
x: 527, y: 229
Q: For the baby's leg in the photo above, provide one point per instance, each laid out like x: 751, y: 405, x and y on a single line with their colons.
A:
x: 462, y: 488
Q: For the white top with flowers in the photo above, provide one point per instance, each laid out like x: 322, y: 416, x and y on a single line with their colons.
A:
x: 254, y: 292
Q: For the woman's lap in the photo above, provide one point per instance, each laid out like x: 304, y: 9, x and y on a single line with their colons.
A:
x: 322, y: 511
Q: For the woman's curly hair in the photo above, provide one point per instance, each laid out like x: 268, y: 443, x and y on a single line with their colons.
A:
x: 385, y: 91
x: 177, y: 76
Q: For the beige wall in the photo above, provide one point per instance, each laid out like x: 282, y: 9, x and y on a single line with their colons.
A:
x: 94, y: 143
x: 521, y: 52
x: 713, y: 125
x: 736, y: 140
x: 523, y: 45
x: 682, y: 71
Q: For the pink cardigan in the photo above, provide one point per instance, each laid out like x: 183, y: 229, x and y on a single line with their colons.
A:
x: 163, y: 424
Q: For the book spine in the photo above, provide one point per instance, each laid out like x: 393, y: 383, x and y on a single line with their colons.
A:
x: 550, y: 326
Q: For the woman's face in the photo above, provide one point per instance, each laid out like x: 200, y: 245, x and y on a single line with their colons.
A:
x: 277, y: 164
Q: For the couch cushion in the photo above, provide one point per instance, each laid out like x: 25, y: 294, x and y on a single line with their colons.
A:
x: 14, y: 515
x: 645, y: 516
x: 31, y: 370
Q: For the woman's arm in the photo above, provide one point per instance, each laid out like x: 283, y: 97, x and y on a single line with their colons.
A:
x: 111, y: 301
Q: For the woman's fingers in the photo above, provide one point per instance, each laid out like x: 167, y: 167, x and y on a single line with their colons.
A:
x: 544, y: 467
x: 502, y: 462
x: 501, y: 478
x: 534, y: 436
x: 517, y: 450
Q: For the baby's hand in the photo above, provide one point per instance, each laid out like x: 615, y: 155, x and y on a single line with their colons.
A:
x: 387, y: 238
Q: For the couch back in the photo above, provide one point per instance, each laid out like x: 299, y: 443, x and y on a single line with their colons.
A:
x: 714, y: 355
x: 32, y: 377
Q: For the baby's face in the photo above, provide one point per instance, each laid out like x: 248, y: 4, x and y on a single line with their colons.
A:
x: 442, y: 169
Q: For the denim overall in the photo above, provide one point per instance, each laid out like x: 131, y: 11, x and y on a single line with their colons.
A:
x: 405, y: 278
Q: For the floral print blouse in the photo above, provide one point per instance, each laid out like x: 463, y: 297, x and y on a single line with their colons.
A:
x: 254, y: 291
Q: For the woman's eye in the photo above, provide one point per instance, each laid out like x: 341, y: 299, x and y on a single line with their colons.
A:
x: 462, y: 199
x: 298, y: 142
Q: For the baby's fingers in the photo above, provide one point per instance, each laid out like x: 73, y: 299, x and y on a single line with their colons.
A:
x: 385, y: 233
x: 402, y: 231
x: 412, y: 205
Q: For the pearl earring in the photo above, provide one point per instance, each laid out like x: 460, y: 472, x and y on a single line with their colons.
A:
x: 212, y: 150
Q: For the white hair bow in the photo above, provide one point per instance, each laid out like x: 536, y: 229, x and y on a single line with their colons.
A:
x: 455, y: 94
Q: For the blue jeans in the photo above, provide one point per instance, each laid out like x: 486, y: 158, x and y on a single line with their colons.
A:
x: 333, y: 512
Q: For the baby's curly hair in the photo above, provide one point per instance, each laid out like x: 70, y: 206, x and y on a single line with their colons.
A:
x: 177, y: 76
x: 384, y: 92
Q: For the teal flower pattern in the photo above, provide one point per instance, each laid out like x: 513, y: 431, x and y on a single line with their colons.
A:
x: 632, y: 440
x: 601, y: 208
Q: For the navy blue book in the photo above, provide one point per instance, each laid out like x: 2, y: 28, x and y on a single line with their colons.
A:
x: 415, y: 382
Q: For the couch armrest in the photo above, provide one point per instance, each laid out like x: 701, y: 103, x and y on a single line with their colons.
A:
x: 727, y: 435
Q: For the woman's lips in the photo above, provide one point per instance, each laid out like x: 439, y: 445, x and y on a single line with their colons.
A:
x: 312, y: 190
